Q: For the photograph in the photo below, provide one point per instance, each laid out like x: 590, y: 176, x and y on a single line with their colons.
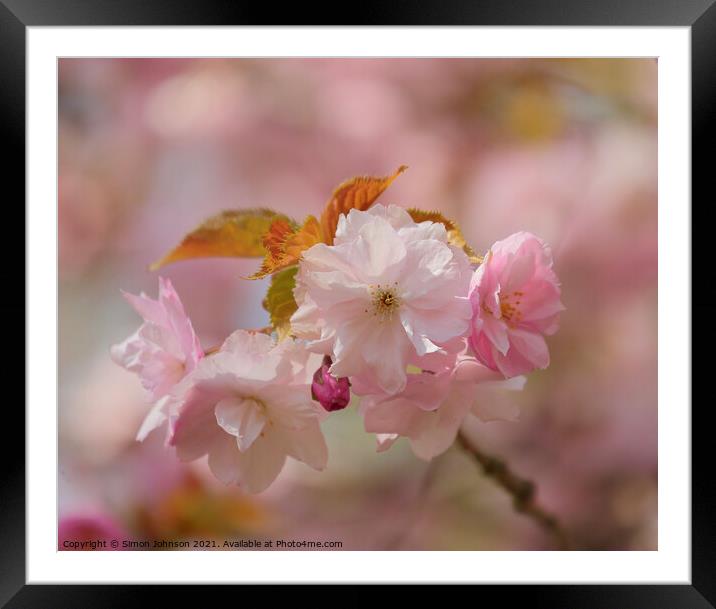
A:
x: 358, y: 304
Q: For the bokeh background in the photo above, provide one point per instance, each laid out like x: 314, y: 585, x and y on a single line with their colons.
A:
x: 566, y: 149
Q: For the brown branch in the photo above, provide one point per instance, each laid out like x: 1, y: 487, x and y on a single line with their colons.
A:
x: 523, y: 491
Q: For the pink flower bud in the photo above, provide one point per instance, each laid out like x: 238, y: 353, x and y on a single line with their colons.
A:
x: 330, y: 392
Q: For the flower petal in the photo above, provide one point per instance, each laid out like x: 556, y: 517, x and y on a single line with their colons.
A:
x: 531, y: 345
x: 259, y: 466
x: 385, y: 440
x: 439, y: 428
x: 307, y: 445
x: 154, y: 419
x: 242, y: 418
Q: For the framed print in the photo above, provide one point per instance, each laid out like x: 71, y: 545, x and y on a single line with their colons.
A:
x: 400, y: 302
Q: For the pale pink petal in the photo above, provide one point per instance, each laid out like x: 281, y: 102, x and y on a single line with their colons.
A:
x: 196, y: 430
x: 514, y: 243
x: 483, y: 349
x: 396, y: 216
x: 150, y: 310
x: 496, y: 333
x: 421, y: 342
x: 385, y: 440
x: 516, y: 273
x: 330, y: 288
x: 531, y: 345
x: 128, y: 353
x: 322, y: 258
x: 223, y: 459
x: 242, y: 418
x: 307, y: 445
x: 384, y: 352
x: 439, y: 428
x: 347, y: 356
x: 291, y: 405
x: 308, y: 321
x: 353, y: 222
x: 395, y: 416
x: 512, y: 364
x: 380, y: 250
x: 426, y: 390
x: 435, y: 260
x: 259, y: 466
x: 425, y: 230
x: 541, y: 300
x: 251, y: 343
x: 439, y: 325
x: 154, y: 419
x: 179, y: 324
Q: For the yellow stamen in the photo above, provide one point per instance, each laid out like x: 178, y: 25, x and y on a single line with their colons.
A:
x: 509, y: 308
x: 385, y: 301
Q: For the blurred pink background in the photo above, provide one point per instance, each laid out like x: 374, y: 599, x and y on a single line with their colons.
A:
x: 563, y: 148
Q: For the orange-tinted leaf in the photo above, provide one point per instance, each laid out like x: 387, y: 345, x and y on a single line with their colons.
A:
x: 284, y: 244
x: 455, y: 236
x: 235, y: 233
x: 357, y: 193
x: 275, y: 238
x: 308, y: 235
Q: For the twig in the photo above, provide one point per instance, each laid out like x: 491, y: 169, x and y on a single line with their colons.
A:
x: 523, y: 491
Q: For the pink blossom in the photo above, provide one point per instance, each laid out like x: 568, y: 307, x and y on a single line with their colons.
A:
x: 89, y: 532
x: 332, y: 393
x: 248, y: 407
x: 165, y: 348
x: 435, y: 402
x: 515, y: 298
x: 388, y: 291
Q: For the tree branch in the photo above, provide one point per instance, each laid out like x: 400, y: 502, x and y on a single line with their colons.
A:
x: 523, y: 491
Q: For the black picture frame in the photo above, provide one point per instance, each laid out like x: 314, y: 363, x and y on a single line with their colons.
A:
x: 17, y: 15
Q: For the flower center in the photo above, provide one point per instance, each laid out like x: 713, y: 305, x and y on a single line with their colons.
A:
x: 384, y: 300
x: 509, y: 308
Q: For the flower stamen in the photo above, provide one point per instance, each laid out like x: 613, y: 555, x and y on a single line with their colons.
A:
x: 509, y: 308
x: 385, y: 301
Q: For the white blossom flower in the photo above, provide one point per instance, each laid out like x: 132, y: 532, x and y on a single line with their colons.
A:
x: 435, y: 403
x: 161, y: 352
x: 248, y: 407
x: 165, y: 347
x: 388, y: 292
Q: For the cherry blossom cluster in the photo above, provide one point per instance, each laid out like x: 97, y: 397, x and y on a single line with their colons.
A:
x: 392, y: 315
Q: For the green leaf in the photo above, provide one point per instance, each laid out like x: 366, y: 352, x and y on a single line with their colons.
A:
x: 279, y: 301
x: 230, y: 234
